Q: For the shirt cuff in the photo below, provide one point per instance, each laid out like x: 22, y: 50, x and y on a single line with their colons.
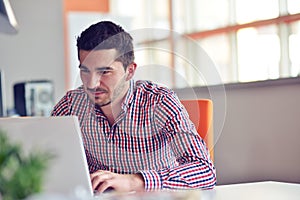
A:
x: 153, y: 180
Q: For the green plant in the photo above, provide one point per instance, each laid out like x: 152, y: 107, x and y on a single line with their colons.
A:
x: 20, y: 175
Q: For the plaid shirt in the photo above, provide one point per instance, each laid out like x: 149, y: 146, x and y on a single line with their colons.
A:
x: 152, y: 136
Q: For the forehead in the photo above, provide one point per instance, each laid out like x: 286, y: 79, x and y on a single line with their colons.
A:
x: 103, y: 57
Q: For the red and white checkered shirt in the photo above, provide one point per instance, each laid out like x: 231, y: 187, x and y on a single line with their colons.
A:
x: 152, y: 136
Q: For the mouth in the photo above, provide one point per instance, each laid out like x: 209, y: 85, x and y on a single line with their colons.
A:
x: 97, y: 93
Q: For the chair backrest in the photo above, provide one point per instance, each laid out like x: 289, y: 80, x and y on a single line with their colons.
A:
x: 201, y: 114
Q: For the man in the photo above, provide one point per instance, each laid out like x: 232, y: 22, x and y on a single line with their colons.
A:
x: 137, y: 136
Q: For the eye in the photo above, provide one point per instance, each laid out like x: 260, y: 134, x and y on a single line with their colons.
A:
x: 84, y: 70
x: 104, y: 72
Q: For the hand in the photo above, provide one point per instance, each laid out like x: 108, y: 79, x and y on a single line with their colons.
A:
x: 102, y: 180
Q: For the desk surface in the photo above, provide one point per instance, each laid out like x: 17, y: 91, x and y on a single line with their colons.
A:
x: 268, y: 190
x: 254, y: 191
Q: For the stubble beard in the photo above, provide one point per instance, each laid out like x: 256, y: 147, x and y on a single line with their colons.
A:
x: 118, y: 91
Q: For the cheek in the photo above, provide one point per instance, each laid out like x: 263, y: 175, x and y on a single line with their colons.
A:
x: 109, y: 83
x: 88, y: 80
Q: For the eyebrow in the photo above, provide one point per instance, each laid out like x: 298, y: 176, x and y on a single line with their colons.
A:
x: 104, y: 68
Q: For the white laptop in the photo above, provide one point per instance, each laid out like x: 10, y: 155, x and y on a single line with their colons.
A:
x: 68, y: 171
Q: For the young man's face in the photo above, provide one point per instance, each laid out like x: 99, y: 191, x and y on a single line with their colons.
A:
x: 104, y: 79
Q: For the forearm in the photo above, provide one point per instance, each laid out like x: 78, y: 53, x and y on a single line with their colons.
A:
x: 188, y: 176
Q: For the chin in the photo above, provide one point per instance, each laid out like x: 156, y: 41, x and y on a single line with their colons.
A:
x: 101, y: 103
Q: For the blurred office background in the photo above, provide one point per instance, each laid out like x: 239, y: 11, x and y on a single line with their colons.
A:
x: 252, y: 72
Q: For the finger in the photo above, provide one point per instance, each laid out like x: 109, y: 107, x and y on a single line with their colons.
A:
x: 96, y: 173
x: 98, y: 180
x: 104, y: 186
x: 94, y: 180
x: 96, y: 183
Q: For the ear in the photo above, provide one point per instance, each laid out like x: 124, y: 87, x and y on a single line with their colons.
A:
x: 130, y: 70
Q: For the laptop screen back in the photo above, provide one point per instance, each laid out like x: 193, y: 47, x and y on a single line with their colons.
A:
x: 61, y: 136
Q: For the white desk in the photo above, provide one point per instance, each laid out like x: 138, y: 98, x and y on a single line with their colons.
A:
x: 247, y: 191
x: 254, y: 191
x: 268, y: 190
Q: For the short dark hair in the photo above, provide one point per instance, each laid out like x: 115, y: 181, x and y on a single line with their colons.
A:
x: 107, y: 35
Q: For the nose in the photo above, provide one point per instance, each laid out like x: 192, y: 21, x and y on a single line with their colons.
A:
x: 93, y: 81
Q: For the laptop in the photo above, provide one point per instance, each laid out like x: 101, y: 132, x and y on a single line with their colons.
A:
x: 67, y: 172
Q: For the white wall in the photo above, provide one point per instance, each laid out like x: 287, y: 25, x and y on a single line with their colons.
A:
x: 260, y: 139
x: 37, y: 51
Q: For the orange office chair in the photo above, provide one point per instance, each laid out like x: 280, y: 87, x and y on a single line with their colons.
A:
x: 201, y: 114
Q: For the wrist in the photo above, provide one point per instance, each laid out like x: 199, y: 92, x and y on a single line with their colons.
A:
x: 138, y: 182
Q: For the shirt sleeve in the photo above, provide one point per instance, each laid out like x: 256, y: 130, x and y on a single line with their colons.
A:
x: 62, y: 107
x: 195, y: 168
x: 92, y: 163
